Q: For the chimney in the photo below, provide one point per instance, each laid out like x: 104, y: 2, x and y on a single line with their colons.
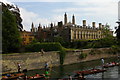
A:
x: 100, y: 25
x: 103, y: 26
x: 84, y: 23
x: 93, y: 24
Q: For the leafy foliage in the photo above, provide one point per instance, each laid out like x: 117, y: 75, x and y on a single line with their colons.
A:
x: 62, y: 56
x: 10, y: 35
x: 82, y: 55
x: 95, y: 51
x: 16, y: 12
x: 36, y: 47
x: 114, y: 49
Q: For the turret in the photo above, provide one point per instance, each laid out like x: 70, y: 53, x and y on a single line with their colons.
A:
x: 73, y: 19
x: 39, y: 27
x: 65, y: 18
x: 32, y: 28
x: 93, y: 24
x: 100, y: 25
x: 84, y: 23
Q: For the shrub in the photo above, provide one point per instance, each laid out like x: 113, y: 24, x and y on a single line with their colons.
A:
x: 92, y: 52
x: 62, y: 54
x: 82, y: 55
x: 114, y: 49
x: 95, y: 51
x: 36, y: 47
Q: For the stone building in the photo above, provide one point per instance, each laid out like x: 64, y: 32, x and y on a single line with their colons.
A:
x: 69, y: 31
x: 27, y: 37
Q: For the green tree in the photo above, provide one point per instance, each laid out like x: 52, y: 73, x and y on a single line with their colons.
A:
x: 59, y: 39
x: 106, y: 31
x: 10, y: 34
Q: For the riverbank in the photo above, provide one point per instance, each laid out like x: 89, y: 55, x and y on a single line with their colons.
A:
x: 36, y: 60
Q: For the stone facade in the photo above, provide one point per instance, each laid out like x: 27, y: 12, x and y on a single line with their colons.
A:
x: 69, y: 31
x: 27, y: 37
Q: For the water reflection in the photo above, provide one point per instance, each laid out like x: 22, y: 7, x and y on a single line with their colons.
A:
x: 64, y: 71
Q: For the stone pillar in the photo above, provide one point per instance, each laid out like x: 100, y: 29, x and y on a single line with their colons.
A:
x: 93, y: 24
x: 100, y: 25
x: 103, y: 26
x: 84, y: 23
x: 65, y: 18
x: 73, y: 19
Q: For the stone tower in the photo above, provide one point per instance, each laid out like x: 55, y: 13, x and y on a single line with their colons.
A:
x: 32, y: 28
x: 39, y: 27
x: 73, y: 19
x: 93, y: 24
x: 65, y: 18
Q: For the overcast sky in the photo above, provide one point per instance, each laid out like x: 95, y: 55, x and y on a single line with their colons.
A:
x: 37, y: 11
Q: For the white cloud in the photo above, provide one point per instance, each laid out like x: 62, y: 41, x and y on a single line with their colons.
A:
x: 61, y: 0
x: 5, y: 1
x: 98, y: 10
x: 29, y: 17
x: 94, y: 10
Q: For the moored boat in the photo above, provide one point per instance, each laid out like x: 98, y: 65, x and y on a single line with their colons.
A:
x: 40, y: 77
x: 112, y: 64
x: 92, y: 71
x: 12, y: 76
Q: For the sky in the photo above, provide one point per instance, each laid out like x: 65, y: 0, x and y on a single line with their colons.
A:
x: 47, y: 11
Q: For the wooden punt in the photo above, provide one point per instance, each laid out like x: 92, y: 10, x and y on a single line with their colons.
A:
x: 92, y: 71
x: 12, y: 76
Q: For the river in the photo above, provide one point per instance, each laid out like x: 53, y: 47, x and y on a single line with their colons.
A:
x: 64, y: 71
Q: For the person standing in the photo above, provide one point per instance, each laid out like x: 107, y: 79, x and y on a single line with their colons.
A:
x: 19, y: 67
x: 42, y: 52
x: 102, y: 61
x: 46, y: 66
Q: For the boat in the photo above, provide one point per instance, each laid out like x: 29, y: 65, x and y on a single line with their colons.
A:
x: 92, y: 71
x: 40, y: 77
x: 72, y: 78
x: 12, y: 76
x: 112, y: 64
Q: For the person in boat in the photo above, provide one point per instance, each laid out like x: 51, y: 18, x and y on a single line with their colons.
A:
x: 113, y: 63
x: 81, y: 76
x: 8, y: 75
x: 19, y: 67
x: 77, y: 75
x: 69, y: 77
x: 47, y: 74
x: 110, y: 64
x: 25, y: 77
x: 37, y: 75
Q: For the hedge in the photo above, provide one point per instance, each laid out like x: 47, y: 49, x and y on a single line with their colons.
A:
x: 36, y: 47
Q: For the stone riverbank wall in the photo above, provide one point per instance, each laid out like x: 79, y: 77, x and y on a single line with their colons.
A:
x: 36, y: 60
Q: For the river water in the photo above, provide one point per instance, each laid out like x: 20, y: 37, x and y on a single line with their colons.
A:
x: 64, y: 71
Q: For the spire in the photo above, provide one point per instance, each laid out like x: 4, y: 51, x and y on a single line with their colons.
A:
x: 73, y: 19
x: 39, y: 25
x: 65, y: 18
x: 32, y: 25
x: 51, y: 25
x: 32, y: 28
